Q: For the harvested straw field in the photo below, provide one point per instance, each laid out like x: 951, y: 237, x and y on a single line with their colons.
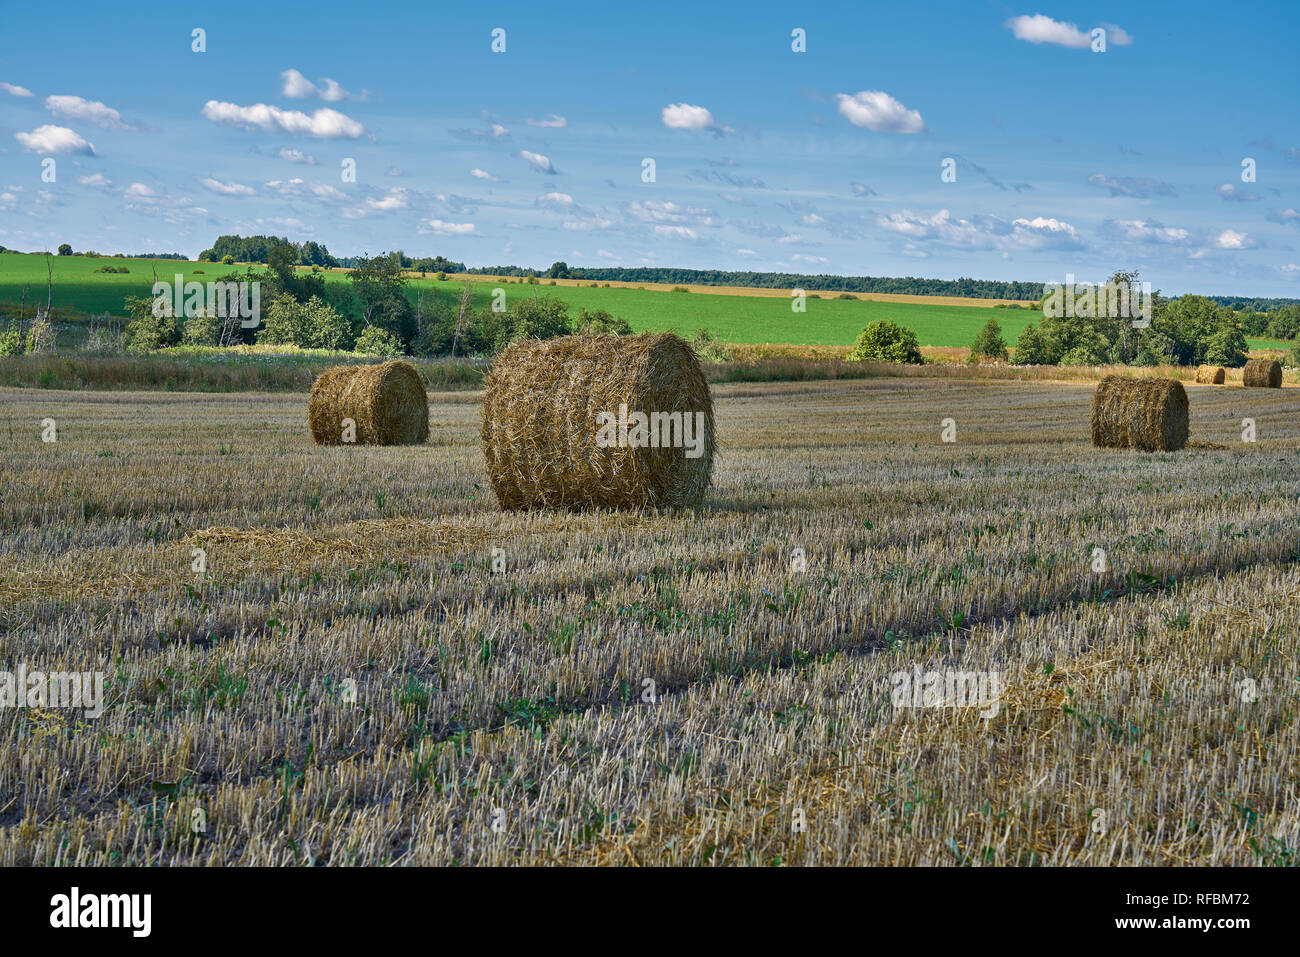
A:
x: 1146, y: 414
x: 1262, y: 373
x: 556, y: 430
x: 385, y: 403
x: 1211, y: 375
x: 377, y: 663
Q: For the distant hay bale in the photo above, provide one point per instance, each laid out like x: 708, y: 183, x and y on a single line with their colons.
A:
x: 387, y: 403
x: 561, y: 426
x: 1146, y: 414
x: 1211, y: 375
x: 1262, y: 373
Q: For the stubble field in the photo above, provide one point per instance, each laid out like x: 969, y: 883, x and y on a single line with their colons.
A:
x: 1147, y: 712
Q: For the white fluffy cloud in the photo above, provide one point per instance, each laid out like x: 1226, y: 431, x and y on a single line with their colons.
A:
x: 684, y: 116
x: 1231, y: 239
x: 296, y: 156
x: 483, y: 175
x: 226, y: 189
x: 551, y: 122
x: 95, y: 179
x: 878, y: 111
x: 323, y: 124
x: 296, y: 188
x: 537, y: 161
x: 555, y: 199
x: 676, y: 232
x: 15, y: 90
x: 55, y: 140
x: 395, y: 199
x: 297, y: 87
x: 1152, y: 232
x: 986, y: 232
x: 1040, y: 29
x: 441, y: 228
x: 92, y: 111
x: 656, y: 211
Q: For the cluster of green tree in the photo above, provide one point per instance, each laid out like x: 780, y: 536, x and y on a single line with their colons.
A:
x: 373, y: 314
x: 65, y: 249
x: 257, y: 249
x: 970, y: 288
x: 1244, y: 304
x: 1281, y: 323
x: 434, y: 264
x: 1186, y: 331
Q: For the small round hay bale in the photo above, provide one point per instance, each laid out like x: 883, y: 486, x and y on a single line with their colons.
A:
x: 1211, y: 375
x: 1146, y: 414
x: 387, y: 402
x: 561, y: 427
x: 1262, y: 374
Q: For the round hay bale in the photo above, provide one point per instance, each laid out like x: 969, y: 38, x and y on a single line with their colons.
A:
x: 598, y: 422
x: 387, y: 403
x: 1146, y: 414
x: 1211, y: 375
x: 1262, y: 373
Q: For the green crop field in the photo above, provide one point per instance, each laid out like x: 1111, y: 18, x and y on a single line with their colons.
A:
x: 740, y: 319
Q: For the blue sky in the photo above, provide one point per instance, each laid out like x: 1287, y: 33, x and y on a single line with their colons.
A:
x: 829, y: 160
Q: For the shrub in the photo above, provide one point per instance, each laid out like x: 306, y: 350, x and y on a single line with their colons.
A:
x: 201, y: 331
x: 374, y: 341
x: 40, y: 337
x: 885, y: 341
x: 1088, y: 350
x: 675, y: 288
x: 227, y: 260
x: 708, y: 348
x: 313, y: 324
x: 846, y: 295
x: 600, y: 323
x: 989, y: 343
x: 1032, y: 347
x: 11, y: 343
x: 440, y: 276
x: 543, y: 318
x: 147, y: 332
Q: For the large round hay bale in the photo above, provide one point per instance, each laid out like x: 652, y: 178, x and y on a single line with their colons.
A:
x: 1211, y: 375
x: 561, y: 426
x: 1262, y: 373
x: 386, y: 402
x: 1146, y: 414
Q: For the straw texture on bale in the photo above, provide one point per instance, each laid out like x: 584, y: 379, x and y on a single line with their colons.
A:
x: 386, y: 401
x: 1211, y: 375
x: 1262, y: 373
x: 541, y: 403
x: 1146, y: 414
